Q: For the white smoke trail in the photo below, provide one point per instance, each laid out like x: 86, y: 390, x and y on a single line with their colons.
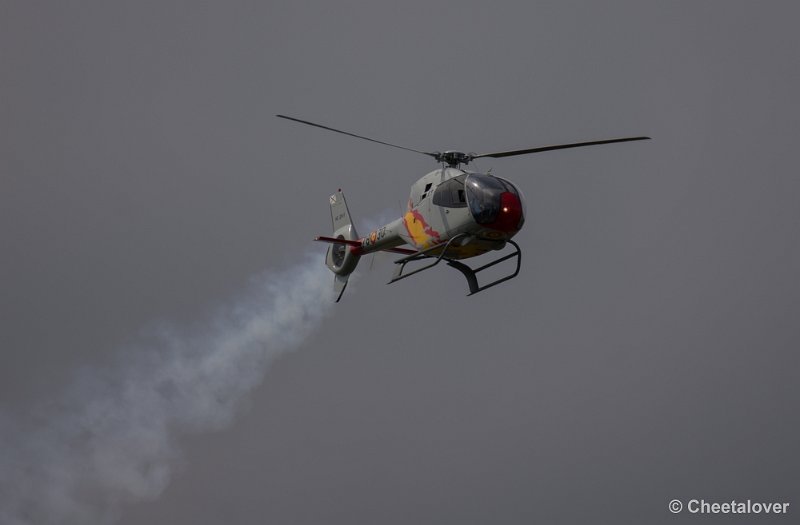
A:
x: 112, y: 438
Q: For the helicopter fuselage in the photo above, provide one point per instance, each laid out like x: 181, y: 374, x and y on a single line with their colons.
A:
x: 446, y: 202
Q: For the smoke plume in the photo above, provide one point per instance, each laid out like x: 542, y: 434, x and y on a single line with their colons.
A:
x: 112, y: 438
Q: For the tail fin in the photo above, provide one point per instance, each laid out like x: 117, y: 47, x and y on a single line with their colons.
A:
x: 340, y: 257
x: 339, y: 284
x: 340, y: 217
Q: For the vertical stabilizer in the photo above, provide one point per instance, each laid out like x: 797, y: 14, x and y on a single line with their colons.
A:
x: 340, y: 258
x: 340, y: 217
x: 339, y: 284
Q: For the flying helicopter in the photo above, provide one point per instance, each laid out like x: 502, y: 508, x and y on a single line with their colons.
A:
x: 452, y: 214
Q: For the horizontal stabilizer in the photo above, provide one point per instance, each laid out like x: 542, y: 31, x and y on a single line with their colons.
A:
x: 357, y: 244
x: 334, y: 240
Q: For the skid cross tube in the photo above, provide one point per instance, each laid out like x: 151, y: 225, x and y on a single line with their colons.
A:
x: 469, y: 273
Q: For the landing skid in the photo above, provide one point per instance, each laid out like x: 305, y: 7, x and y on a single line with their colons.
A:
x: 469, y: 273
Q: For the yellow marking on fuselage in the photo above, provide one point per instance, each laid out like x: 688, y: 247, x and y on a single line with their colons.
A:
x: 422, y: 235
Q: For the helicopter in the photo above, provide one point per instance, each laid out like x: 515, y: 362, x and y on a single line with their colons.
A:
x: 452, y: 214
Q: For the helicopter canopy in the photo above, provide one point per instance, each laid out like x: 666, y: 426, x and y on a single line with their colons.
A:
x: 494, y: 202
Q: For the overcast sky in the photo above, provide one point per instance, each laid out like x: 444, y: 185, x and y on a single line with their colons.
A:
x: 647, y: 351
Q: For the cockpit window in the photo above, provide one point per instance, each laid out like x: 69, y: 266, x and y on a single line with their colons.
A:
x: 483, y: 194
x: 450, y: 193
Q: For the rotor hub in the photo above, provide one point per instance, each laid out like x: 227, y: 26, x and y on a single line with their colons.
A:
x: 453, y: 158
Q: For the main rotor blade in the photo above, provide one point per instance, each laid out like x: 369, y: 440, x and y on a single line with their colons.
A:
x: 501, y: 154
x: 434, y: 155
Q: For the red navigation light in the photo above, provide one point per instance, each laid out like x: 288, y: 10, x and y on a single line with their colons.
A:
x: 510, y: 215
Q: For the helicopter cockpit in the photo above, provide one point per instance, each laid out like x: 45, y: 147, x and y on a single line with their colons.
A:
x: 494, y: 202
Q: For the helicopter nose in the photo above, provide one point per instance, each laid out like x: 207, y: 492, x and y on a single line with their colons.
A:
x: 510, y: 217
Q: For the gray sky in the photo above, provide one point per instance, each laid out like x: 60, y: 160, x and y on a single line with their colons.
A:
x: 647, y: 351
